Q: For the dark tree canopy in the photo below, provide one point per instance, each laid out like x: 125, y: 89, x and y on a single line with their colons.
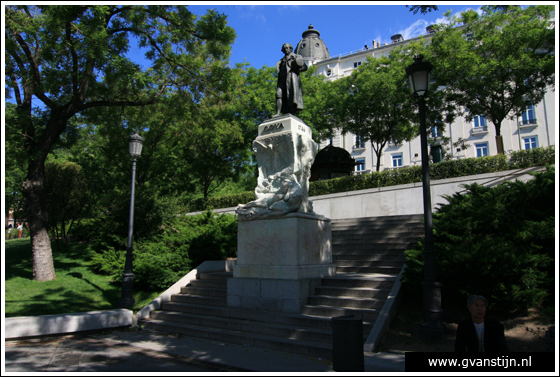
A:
x: 424, y: 9
x: 64, y: 60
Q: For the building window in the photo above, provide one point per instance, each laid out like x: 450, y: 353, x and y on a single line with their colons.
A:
x: 360, y: 164
x: 436, y: 132
x: 359, y: 142
x: 479, y: 121
x: 528, y: 115
x: 356, y: 64
x: 397, y: 160
x: 530, y: 142
x: 481, y: 149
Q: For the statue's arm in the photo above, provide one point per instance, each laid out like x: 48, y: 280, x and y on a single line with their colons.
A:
x: 302, y: 67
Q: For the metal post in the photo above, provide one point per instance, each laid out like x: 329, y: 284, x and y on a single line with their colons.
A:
x: 432, y: 328
x: 127, y: 299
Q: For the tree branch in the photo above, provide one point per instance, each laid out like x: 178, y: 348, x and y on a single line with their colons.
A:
x: 74, y: 59
x: 34, y: 72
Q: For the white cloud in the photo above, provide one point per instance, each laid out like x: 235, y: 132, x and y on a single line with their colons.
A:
x: 414, y: 30
x: 419, y: 27
x: 253, y: 13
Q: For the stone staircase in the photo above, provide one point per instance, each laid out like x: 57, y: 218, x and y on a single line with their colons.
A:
x: 368, y: 253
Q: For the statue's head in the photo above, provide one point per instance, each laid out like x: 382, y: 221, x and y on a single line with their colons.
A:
x: 287, y: 47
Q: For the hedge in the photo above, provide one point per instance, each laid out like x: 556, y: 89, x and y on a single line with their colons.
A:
x: 482, y: 251
x: 440, y: 170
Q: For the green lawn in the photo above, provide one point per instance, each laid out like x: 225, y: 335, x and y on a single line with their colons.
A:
x: 75, y: 289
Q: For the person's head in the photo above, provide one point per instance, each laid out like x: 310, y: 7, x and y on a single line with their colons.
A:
x: 477, y: 307
x: 287, y: 48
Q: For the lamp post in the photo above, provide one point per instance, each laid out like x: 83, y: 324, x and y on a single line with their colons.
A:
x: 127, y: 300
x: 432, y: 328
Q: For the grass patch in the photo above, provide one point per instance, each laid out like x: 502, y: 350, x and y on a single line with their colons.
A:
x: 75, y: 289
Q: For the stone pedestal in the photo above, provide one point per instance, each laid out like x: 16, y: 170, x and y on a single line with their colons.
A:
x: 283, y: 247
x: 280, y: 261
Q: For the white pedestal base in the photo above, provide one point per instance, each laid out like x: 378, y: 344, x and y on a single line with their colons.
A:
x: 280, y: 261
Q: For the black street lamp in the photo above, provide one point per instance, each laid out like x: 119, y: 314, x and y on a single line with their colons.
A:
x: 127, y: 300
x: 432, y: 328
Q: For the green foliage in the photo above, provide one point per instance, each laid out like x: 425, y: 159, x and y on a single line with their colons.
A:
x: 424, y: 9
x: 532, y: 157
x: 440, y: 170
x: 13, y: 233
x: 76, y: 287
x: 72, y: 59
x: 161, y: 260
x: 496, y: 63
x: 498, y: 242
x: 65, y: 193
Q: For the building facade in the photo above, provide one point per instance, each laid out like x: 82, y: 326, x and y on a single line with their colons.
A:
x: 535, y: 128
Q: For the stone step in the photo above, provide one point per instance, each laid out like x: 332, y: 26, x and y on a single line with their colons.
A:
x: 393, y: 242
x: 367, y: 315
x: 209, y: 292
x: 390, y: 228
x: 369, y: 257
x: 312, y: 349
x: 348, y: 235
x: 360, y: 248
x: 198, y: 283
x: 352, y: 292
x: 346, y: 302
x: 358, y: 229
x: 378, y: 281
x: 215, y: 275
x: 365, y: 263
x: 311, y: 321
x: 368, y: 253
x: 199, y: 300
x: 399, y: 219
x: 369, y: 270
x: 248, y: 326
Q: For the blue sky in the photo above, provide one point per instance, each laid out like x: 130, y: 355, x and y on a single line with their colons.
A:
x: 262, y: 29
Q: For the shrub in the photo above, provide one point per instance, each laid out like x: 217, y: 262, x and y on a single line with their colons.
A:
x: 161, y: 260
x: 440, y: 170
x: 531, y: 157
x: 497, y: 242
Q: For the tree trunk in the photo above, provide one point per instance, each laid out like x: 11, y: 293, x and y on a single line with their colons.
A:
x: 499, y: 139
x: 33, y: 190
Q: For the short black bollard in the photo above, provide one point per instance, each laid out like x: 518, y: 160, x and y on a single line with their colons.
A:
x: 347, y: 344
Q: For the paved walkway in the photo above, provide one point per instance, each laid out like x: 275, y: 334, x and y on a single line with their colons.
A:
x: 147, y: 351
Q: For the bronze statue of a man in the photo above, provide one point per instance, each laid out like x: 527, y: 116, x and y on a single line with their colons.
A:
x: 289, y: 96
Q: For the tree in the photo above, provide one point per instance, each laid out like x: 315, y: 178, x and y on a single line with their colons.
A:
x: 424, y: 9
x: 495, y: 64
x: 379, y: 107
x: 66, y: 194
x: 16, y: 161
x: 73, y: 59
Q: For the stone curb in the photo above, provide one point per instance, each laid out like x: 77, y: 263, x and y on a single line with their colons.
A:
x: 19, y: 327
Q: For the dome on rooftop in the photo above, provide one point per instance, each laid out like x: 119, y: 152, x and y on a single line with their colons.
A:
x: 311, y: 47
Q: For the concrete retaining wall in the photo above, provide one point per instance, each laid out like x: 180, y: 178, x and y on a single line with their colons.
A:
x: 401, y: 199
